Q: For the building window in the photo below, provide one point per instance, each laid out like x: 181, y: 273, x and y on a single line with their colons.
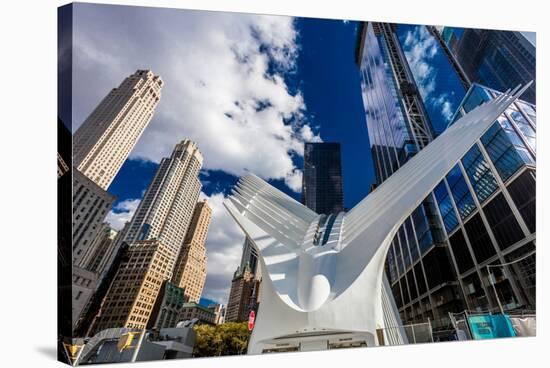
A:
x: 446, y: 207
x: 477, y: 299
x: 529, y: 110
x: 461, y: 193
x: 408, y: 226
x: 479, y: 239
x: 525, y: 128
x: 391, y: 268
x: 505, y: 148
x: 398, y: 257
x: 461, y: 252
x: 412, y: 285
x: 477, y: 96
x: 523, y: 193
x: 502, y: 222
x: 523, y: 270
x: 440, y: 269
x: 422, y: 228
x: 482, y: 179
x: 420, y: 279
x: 405, y: 289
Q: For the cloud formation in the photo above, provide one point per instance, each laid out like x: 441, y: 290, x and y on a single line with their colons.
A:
x: 420, y: 48
x: 122, y: 212
x: 224, y: 83
x: 445, y: 105
x: 224, y: 249
x: 225, y: 89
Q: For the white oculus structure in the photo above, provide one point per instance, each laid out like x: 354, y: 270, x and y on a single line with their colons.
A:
x: 323, y: 277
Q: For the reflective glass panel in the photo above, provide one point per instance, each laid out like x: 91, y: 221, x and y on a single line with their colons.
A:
x: 461, y: 193
x: 481, y: 177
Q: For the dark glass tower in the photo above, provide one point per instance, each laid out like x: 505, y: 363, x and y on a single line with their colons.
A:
x: 398, y: 125
x: 496, y: 59
x: 418, y: 264
x: 476, y: 217
x: 322, y: 189
x: 487, y: 205
x: 250, y: 257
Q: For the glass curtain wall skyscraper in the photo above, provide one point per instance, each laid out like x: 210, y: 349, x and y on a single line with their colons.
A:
x: 249, y: 258
x: 418, y: 263
x: 488, y: 207
x: 437, y: 262
x: 496, y: 59
x: 322, y: 188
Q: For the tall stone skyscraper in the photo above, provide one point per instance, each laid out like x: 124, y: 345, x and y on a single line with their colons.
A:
x: 106, y: 138
x: 155, y: 236
x: 101, y: 250
x: 243, y: 295
x: 91, y: 204
x: 190, y: 271
x: 168, y: 204
x: 322, y: 189
x: 245, y: 285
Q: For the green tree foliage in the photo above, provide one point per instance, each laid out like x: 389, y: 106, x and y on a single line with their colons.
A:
x: 230, y: 338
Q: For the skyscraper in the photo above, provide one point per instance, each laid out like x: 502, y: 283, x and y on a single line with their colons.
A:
x: 203, y: 314
x: 83, y: 286
x: 487, y: 204
x: 168, y: 307
x: 250, y: 257
x: 438, y: 260
x: 245, y: 285
x: 496, y: 59
x: 62, y: 167
x: 101, y: 250
x: 106, y: 272
x: 105, y: 139
x: 167, y: 206
x: 242, y: 296
x: 155, y: 236
x: 398, y: 127
x: 322, y: 189
x: 446, y: 48
x: 219, y: 312
x: 134, y: 290
x: 190, y: 270
x: 91, y: 204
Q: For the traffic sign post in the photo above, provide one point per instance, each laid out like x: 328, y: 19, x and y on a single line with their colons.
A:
x: 251, y: 318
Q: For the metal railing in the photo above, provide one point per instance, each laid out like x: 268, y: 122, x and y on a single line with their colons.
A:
x: 417, y: 333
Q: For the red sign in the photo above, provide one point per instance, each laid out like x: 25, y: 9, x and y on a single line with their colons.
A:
x: 251, y: 317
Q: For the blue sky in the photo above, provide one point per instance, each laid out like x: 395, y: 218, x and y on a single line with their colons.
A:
x: 210, y: 61
x: 437, y: 82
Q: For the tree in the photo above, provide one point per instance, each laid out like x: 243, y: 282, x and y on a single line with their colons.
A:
x: 230, y: 338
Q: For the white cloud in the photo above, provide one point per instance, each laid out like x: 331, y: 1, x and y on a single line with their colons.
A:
x: 443, y: 102
x: 224, y: 83
x: 224, y: 249
x: 420, y: 48
x: 308, y: 135
x: 122, y: 213
x: 294, y: 180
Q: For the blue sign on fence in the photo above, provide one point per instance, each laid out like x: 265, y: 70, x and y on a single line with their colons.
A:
x: 491, y: 326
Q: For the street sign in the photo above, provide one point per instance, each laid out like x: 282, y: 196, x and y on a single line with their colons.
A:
x: 251, y: 317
